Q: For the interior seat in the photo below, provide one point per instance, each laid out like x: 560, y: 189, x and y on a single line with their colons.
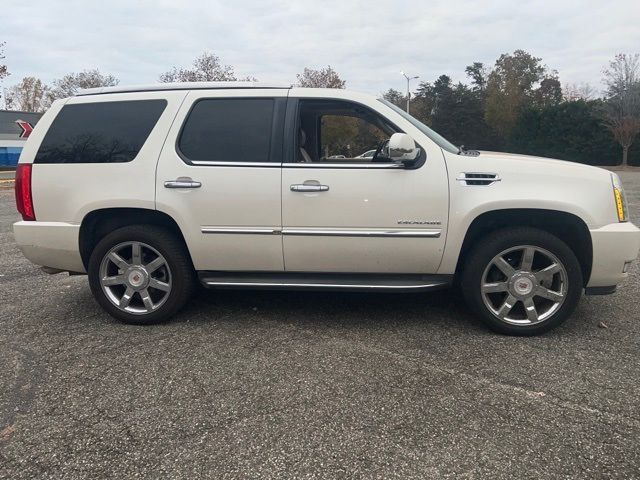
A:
x: 302, y: 140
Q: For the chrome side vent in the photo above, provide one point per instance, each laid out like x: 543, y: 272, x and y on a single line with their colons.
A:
x: 479, y: 179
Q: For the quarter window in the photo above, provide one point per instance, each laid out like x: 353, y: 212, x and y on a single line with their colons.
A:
x: 228, y: 130
x: 101, y: 132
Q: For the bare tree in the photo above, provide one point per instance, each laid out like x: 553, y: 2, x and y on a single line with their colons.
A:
x: 29, y: 95
x: 4, y: 72
x: 622, y: 112
x: 578, y: 91
x: 322, y: 78
x: 71, y: 83
x: 205, y: 68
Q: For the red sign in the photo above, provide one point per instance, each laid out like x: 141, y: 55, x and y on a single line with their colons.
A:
x: 26, y: 128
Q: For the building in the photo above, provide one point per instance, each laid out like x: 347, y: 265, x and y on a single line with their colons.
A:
x: 15, y: 128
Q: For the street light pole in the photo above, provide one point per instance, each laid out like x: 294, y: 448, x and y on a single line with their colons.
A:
x: 408, y: 90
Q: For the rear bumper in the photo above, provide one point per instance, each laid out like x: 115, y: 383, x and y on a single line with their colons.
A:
x: 614, y: 245
x: 50, y: 244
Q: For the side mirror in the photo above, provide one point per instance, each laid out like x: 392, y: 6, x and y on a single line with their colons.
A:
x: 402, y: 148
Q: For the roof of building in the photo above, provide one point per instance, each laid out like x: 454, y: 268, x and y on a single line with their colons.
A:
x: 179, y: 86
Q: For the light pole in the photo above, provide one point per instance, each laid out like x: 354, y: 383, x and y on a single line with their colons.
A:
x: 408, y: 91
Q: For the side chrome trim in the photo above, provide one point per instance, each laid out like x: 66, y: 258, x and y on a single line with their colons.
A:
x: 206, y: 163
x: 316, y: 232
x: 405, y: 233
x: 241, y: 231
x: 368, y: 166
x: 376, y: 166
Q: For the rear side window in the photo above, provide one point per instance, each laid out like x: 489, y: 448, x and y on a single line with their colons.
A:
x: 228, y: 130
x: 105, y: 132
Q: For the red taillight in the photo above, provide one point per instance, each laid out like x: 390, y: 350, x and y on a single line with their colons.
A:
x: 24, y: 199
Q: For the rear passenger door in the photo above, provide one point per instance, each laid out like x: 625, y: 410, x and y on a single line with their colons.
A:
x: 219, y: 177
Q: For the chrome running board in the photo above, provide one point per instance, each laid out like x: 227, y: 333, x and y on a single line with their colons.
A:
x: 324, y: 281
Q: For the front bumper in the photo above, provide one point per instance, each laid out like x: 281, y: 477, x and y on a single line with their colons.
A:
x: 613, y: 246
x: 50, y: 244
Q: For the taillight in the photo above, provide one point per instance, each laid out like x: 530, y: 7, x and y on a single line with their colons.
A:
x: 24, y: 199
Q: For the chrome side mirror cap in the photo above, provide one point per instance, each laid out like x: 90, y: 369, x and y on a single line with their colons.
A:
x: 402, y: 148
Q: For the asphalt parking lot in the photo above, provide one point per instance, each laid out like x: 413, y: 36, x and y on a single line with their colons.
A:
x: 310, y: 385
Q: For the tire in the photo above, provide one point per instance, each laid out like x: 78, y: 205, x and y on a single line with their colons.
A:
x: 144, y: 284
x: 527, y: 294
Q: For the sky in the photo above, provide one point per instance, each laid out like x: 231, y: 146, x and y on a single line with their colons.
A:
x: 367, y: 42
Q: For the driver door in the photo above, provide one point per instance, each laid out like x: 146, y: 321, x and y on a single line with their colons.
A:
x: 348, y: 213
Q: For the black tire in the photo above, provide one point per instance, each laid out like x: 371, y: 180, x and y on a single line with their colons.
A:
x: 178, y: 264
x: 481, y: 256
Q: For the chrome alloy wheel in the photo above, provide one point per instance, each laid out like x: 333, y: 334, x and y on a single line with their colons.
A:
x: 524, y: 285
x: 135, y: 277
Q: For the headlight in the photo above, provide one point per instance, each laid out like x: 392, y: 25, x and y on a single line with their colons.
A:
x: 621, y: 201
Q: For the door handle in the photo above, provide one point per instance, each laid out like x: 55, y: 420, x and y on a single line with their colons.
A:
x: 304, y: 187
x: 182, y: 182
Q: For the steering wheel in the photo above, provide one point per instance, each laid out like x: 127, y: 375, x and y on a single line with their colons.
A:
x: 381, y: 145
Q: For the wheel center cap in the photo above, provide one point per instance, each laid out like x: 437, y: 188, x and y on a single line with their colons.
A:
x: 137, y: 278
x: 522, y: 285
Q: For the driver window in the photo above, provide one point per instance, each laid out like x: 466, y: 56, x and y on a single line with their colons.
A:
x: 333, y: 131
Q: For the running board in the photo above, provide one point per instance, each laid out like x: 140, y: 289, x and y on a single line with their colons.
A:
x: 324, y: 281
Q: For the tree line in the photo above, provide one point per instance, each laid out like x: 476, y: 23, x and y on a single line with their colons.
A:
x: 520, y: 106
x: 516, y: 105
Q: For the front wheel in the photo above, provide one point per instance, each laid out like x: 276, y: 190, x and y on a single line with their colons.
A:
x: 141, y: 274
x: 522, y: 281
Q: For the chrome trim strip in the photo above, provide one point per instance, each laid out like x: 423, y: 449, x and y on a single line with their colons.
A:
x: 314, y: 232
x: 206, y: 163
x: 376, y: 166
x: 405, y: 233
x: 370, y: 166
x: 324, y: 285
x: 241, y: 230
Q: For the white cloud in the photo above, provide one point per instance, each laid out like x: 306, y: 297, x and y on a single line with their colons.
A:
x: 367, y: 42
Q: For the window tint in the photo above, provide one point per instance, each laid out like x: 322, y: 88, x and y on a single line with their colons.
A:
x: 104, y: 132
x: 347, y: 137
x: 228, y: 130
x: 336, y: 131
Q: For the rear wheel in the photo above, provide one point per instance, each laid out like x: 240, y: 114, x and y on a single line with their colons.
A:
x: 522, y: 281
x: 141, y: 274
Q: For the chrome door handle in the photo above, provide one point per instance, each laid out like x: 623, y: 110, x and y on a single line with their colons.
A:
x: 182, y: 182
x: 303, y: 187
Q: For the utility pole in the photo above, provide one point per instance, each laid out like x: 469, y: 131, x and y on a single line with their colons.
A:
x: 408, y: 90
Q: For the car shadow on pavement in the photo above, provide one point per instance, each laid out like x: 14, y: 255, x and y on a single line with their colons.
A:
x: 344, y: 309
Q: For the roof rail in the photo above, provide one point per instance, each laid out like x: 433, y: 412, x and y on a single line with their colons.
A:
x: 178, y: 86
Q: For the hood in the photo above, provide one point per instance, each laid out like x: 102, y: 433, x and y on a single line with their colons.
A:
x: 551, y: 166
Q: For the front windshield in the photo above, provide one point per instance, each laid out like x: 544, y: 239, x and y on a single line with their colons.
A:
x: 439, y: 139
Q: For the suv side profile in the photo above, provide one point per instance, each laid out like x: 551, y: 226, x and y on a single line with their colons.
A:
x: 152, y: 190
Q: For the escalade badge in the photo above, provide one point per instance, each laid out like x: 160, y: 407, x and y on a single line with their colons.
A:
x: 419, y: 222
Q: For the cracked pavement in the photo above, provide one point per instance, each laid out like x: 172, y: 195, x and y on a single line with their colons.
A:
x: 310, y: 385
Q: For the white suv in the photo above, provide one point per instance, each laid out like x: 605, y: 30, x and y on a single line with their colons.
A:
x: 150, y: 190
